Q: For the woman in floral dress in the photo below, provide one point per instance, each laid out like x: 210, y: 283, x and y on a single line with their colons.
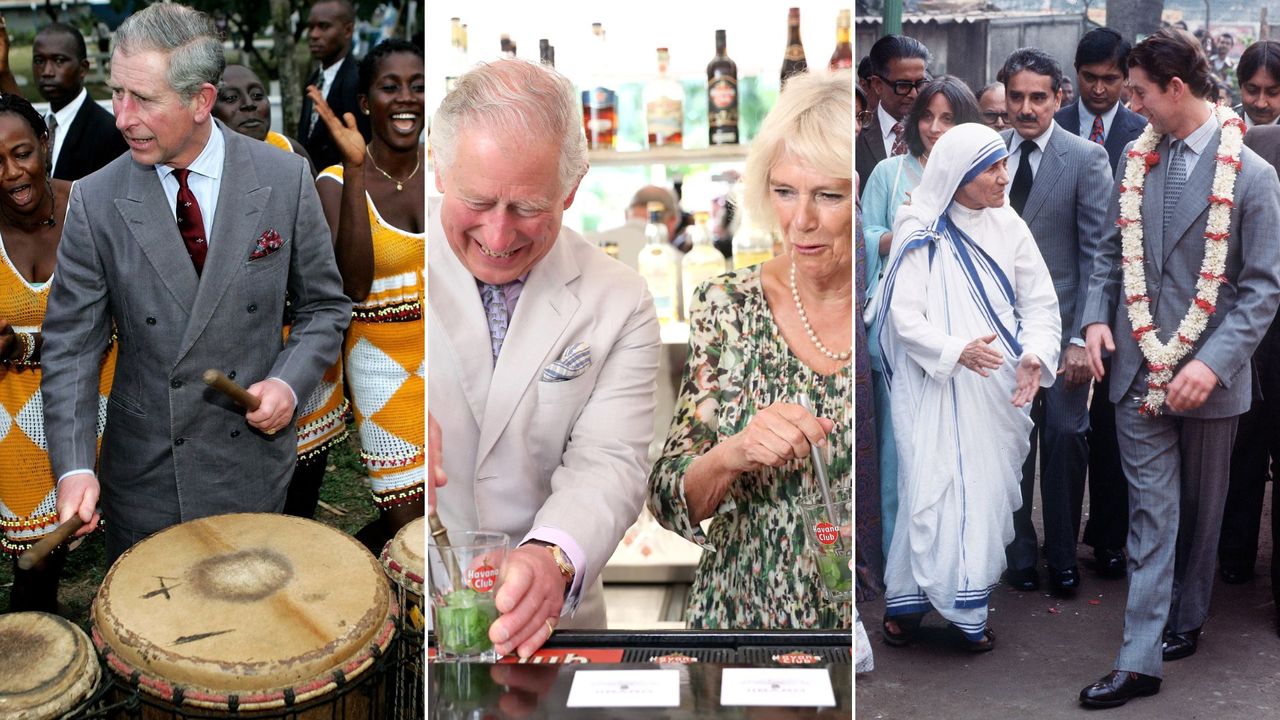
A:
x: 760, y: 338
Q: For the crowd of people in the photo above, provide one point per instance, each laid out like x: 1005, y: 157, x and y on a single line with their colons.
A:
x: 179, y: 233
x: 1090, y: 283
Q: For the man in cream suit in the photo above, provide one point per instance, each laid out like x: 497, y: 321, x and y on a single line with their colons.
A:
x: 1177, y: 461
x: 191, y: 270
x: 542, y: 352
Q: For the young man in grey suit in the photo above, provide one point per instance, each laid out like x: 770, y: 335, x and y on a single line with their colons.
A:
x: 542, y: 351
x: 1176, y: 457
x: 191, y: 270
x: 1102, y: 67
x: 1059, y: 189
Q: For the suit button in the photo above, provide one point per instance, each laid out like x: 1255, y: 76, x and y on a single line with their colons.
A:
x: 252, y: 308
x: 179, y: 441
x: 175, y: 384
x: 235, y: 433
x: 231, y: 375
x: 151, y: 321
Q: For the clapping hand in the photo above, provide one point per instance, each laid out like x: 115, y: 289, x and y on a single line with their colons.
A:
x: 345, y: 132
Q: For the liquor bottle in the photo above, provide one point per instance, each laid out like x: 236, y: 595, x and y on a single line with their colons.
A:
x: 659, y: 267
x: 664, y: 107
x: 544, y: 53
x: 701, y: 263
x: 599, y: 103
x: 722, y: 96
x: 843, y: 55
x: 508, y: 48
x: 457, y: 55
x: 751, y: 245
x: 793, y: 61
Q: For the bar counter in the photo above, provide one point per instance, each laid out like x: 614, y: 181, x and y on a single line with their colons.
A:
x: 539, y: 687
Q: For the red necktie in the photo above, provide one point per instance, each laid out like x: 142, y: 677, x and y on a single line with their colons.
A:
x: 899, y: 140
x: 190, y: 222
x: 1095, y: 135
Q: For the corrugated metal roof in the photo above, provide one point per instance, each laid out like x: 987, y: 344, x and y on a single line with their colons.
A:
x: 961, y: 18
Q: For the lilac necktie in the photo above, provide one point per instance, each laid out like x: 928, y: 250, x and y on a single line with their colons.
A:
x: 495, y: 311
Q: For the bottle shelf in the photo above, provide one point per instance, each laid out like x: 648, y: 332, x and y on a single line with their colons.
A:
x: 669, y: 156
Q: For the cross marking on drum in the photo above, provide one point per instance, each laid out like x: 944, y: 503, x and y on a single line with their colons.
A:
x: 202, y: 636
x: 162, y: 590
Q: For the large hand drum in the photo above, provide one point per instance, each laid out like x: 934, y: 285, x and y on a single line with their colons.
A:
x: 404, y: 560
x: 247, y: 612
x: 47, y: 667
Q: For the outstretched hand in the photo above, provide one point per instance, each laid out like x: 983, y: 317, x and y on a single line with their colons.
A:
x: 345, y: 132
x: 1028, y: 380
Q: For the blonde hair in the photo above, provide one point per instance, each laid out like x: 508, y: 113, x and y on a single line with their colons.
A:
x: 812, y: 123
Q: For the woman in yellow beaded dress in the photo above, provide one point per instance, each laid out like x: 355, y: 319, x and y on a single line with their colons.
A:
x: 32, y: 207
x: 375, y: 204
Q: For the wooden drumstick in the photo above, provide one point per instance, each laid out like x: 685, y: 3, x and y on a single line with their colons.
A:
x: 441, y: 536
x: 46, y: 545
x: 220, y: 382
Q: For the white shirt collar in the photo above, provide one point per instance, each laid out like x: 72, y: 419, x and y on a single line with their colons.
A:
x: 210, y: 160
x: 886, y: 122
x: 1200, y: 137
x: 68, y: 111
x: 1086, y: 120
x: 1042, y: 141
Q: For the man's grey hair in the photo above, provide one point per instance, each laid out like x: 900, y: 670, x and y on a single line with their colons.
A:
x: 524, y: 100
x: 187, y: 36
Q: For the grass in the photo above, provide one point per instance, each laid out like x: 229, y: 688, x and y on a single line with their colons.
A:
x: 345, y: 488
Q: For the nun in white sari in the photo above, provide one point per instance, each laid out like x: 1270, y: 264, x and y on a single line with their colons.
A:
x: 970, y: 326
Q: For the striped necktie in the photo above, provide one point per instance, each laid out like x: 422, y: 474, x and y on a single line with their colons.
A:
x: 1097, y: 133
x: 1175, y: 180
x: 495, y: 311
x: 899, y: 140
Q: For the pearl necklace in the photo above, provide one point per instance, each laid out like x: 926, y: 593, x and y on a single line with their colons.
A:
x: 813, y: 337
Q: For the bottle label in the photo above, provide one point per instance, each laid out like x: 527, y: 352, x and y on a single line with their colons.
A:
x: 727, y: 136
x: 665, y: 117
x: 795, y: 52
x: 599, y: 125
x: 723, y: 92
x: 599, y: 98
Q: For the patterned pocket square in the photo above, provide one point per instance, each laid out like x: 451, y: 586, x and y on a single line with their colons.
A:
x: 573, y: 362
x: 268, y: 243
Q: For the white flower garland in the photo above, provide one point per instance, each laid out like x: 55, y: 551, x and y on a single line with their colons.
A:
x: 1162, y: 358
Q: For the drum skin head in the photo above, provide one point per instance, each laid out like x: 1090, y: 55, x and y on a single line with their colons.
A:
x: 241, y: 605
x: 47, y: 666
x: 404, y: 556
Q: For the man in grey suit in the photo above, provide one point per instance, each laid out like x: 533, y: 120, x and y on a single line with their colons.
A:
x: 1177, y: 460
x: 1102, y: 66
x: 1059, y: 189
x: 191, y: 273
x: 898, y: 67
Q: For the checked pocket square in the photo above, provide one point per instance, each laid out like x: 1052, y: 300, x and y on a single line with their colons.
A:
x: 573, y: 362
x: 268, y: 243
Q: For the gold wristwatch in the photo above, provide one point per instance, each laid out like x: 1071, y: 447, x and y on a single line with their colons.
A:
x: 562, y: 562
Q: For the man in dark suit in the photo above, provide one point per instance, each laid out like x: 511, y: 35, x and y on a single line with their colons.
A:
x: 898, y: 71
x: 1102, y: 66
x: 1176, y: 425
x: 187, y: 248
x: 1059, y: 188
x: 329, y: 29
x: 83, y: 135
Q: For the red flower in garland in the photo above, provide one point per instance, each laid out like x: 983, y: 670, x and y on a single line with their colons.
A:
x: 1152, y: 159
x: 1222, y: 200
x: 1205, y: 305
x: 1137, y: 334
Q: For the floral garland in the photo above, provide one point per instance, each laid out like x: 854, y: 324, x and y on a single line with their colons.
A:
x: 1162, y: 358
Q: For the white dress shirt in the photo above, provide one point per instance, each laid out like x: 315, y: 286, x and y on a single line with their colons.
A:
x: 65, y: 117
x: 1015, y: 154
x: 205, y: 179
x: 1086, y: 121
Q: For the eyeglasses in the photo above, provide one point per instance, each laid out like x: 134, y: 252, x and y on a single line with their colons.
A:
x: 864, y: 117
x: 991, y: 117
x: 904, y: 87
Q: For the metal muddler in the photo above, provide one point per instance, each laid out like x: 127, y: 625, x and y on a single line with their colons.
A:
x: 441, y: 536
x: 819, y: 463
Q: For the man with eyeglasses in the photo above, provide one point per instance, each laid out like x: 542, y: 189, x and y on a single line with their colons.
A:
x: 898, y: 71
x: 992, y: 106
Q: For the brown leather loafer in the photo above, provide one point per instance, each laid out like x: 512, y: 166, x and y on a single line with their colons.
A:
x: 1117, y: 688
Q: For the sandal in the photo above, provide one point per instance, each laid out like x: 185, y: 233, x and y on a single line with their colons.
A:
x: 907, y: 626
x: 986, y: 644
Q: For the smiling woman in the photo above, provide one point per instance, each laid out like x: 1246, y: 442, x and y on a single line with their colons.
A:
x: 31, y: 210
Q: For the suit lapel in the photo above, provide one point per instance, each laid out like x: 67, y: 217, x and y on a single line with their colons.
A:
x: 1153, y: 212
x: 1052, y: 163
x: 1070, y: 119
x: 455, y: 302
x: 304, y: 118
x: 546, y: 305
x: 240, y: 204
x: 71, y: 140
x: 1195, y: 196
x: 146, y: 212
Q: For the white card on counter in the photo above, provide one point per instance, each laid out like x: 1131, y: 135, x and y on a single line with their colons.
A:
x: 624, y: 688
x: 777, y: 687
